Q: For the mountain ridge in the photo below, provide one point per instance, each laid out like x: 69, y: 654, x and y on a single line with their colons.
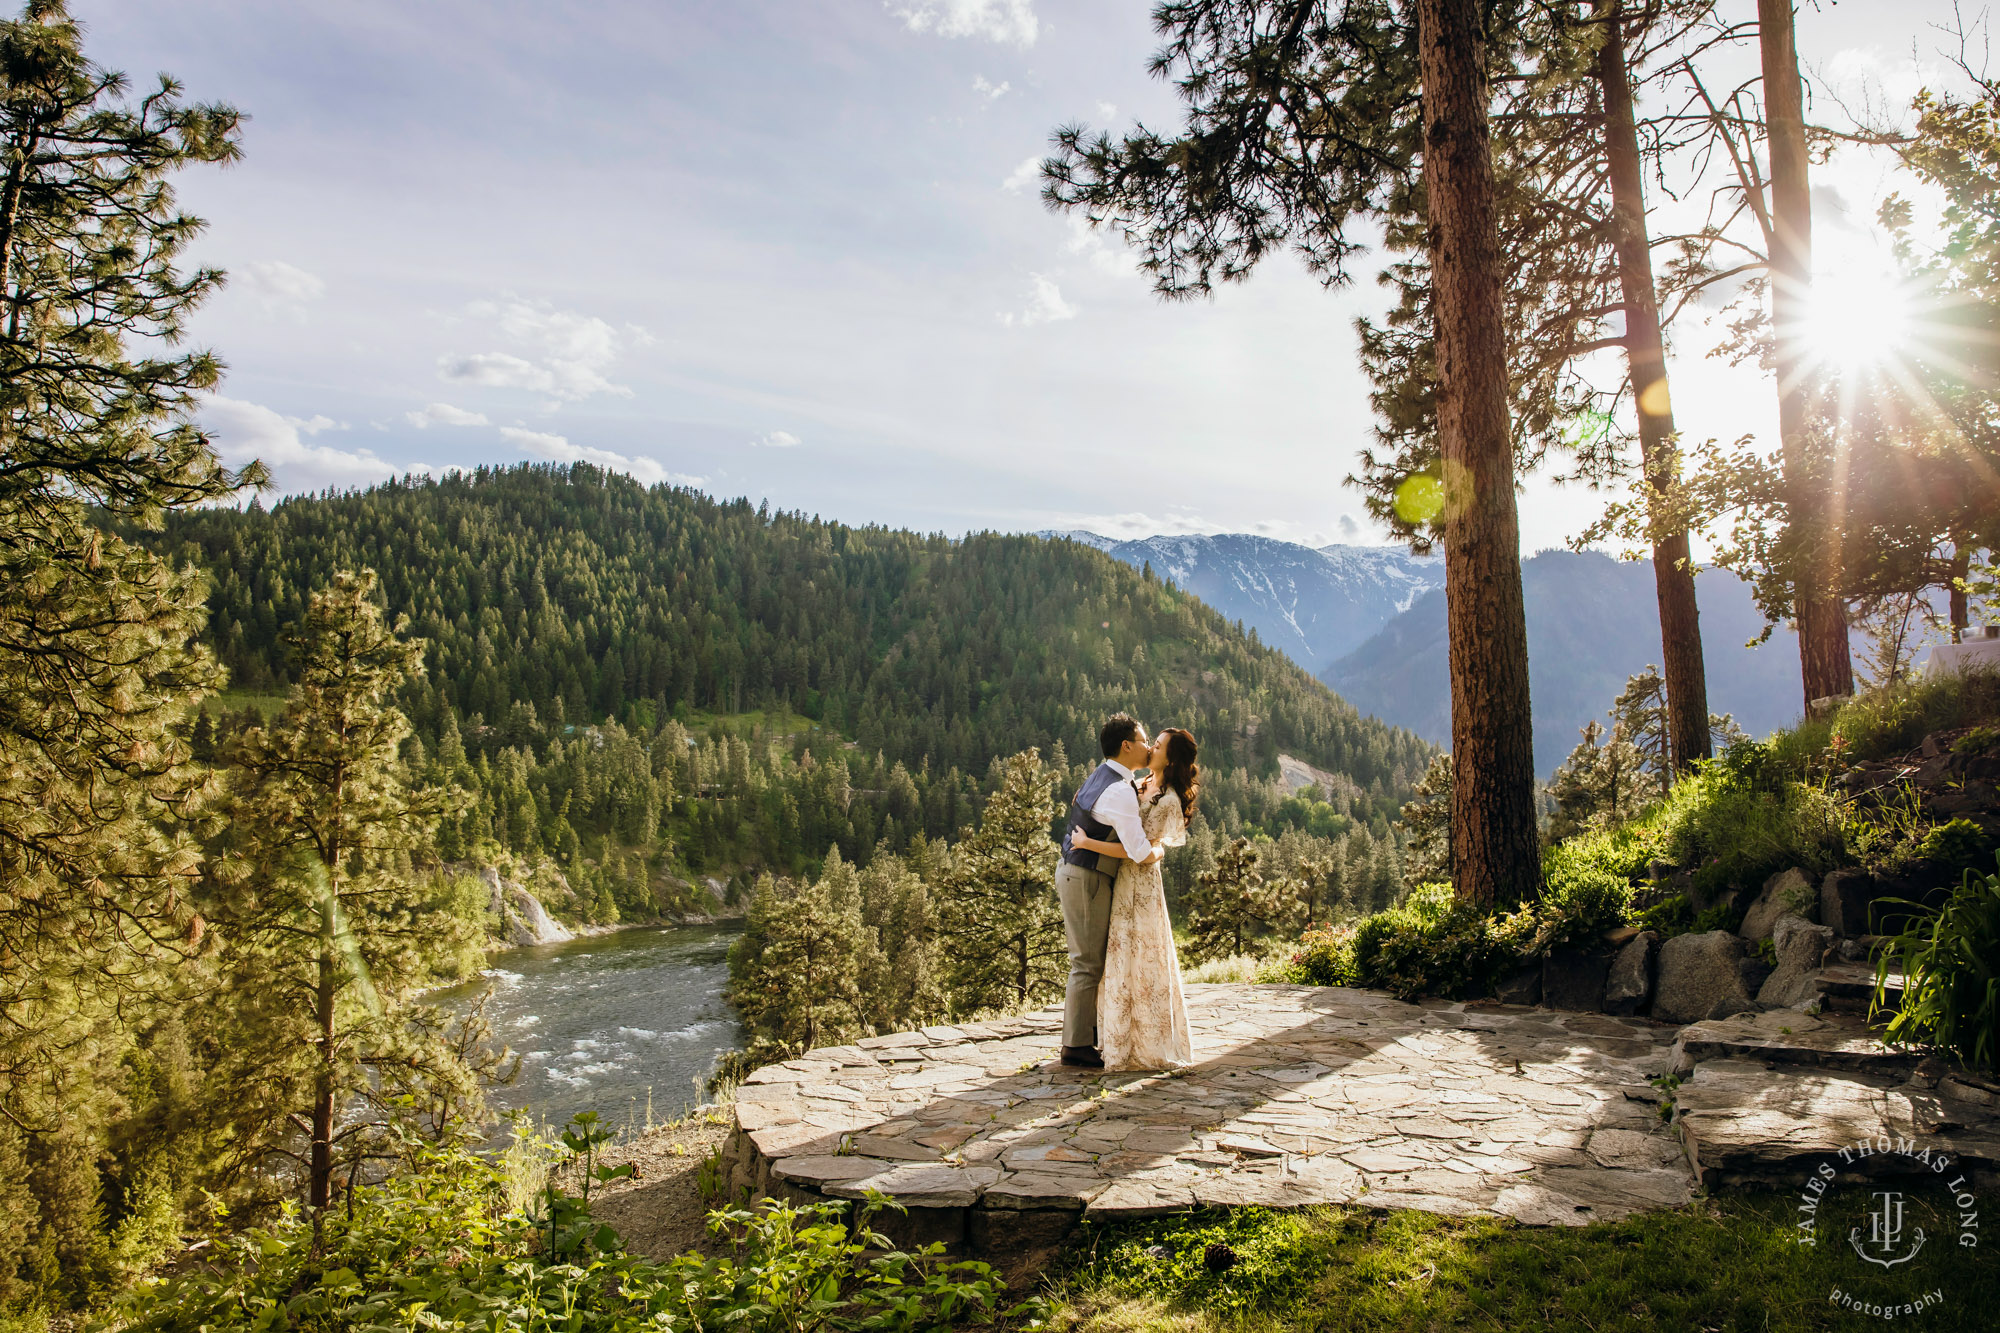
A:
x: 1315, y: 604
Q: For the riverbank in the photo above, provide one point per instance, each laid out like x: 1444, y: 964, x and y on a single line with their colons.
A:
x: 662, y: 1211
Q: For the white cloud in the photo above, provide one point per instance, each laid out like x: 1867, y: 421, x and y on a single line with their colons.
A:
x: 314, y: 424
x: 1089, y: 243
x: 277, y: 283
x: 777, y: 439
x: 1108, y: 110
x: 1009, y: 21
x: 568, y: 352
x: 992, y: 92
x: 558, y: 449
x: 1045, y: 304
x: 1028, y: 174
x: 444, y: 414
x: 1132, y: 525
x: 244, y: 430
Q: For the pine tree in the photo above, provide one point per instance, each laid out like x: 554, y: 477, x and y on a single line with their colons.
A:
x: 1426, y: 823
x: 328, y: 934
x: 1229, y: 905
x: 1304, y: 120
x: 97, y: 669
x: 1605, y: 781
x: 795, y: 974
x: 1005, y: 945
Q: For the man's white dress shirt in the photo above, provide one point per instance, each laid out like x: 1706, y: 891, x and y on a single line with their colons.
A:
x: 1118, y: 806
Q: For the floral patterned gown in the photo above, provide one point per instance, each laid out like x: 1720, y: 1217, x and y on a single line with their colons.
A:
x: 1141, y: 1015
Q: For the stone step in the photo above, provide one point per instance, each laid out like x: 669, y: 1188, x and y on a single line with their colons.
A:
x: 1744, y: 1122
x: 1850, y: 987
x: 1793, y: 1038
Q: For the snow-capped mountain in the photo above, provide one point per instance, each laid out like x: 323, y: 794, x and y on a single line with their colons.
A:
x: 1592, y: 622
x: 1314, y: 605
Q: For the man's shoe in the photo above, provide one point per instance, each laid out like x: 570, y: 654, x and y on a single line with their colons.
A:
x: 1082, y: 1057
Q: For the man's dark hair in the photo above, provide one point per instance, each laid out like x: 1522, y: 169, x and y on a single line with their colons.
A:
x: 1117, y: 729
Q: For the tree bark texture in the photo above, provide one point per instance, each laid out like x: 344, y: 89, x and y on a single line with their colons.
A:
x: 1813, y: 496
x: 1494, y: 853
x: 1646, y: 360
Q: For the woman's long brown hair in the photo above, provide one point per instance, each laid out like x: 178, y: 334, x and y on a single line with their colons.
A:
x: 1183, y: 773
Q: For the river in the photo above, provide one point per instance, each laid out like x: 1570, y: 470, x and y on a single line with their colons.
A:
x: 606, y: 1021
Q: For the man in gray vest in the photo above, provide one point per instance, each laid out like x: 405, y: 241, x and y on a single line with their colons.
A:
x: 1105, y: 807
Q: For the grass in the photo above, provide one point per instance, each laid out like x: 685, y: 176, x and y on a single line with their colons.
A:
x: 1722, y: 1265
x: 235, y: 701
x: 1238, y: 968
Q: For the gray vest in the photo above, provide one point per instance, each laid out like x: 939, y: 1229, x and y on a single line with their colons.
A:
x: 1082, y: 820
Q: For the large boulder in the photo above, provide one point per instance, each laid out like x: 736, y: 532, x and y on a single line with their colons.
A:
x: 1629, y: 986
x: 1789, y: 892
x: 1844, y: 897
x: 1574, y: 979
x: 1702, y: 976
x: 1802, y: 948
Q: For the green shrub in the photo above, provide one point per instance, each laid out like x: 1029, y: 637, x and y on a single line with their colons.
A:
x: 1324, y: 957
x: 1239, y: 1262
x: 1885, y: 723
x: 1433, y: 945
x: 1588, y: 884
x: 436, y: 1248
x: 1733, y: 826
x: 1980, y: 740
x: 1670, y: 917
x: 1950, y: 961
x: 1956, y: 846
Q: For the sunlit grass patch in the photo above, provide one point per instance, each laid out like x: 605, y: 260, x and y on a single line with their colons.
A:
x: 1725, y: 1265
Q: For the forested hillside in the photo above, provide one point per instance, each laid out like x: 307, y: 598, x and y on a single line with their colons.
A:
x: 574, y: 619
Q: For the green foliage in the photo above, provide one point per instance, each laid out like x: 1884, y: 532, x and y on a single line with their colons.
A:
x: 1732, y: 1263
x: 437, y: 1247
x: 1883, y: 724
x: 1949, y: 959
x: 1979, y: 740
x: 1230, y: 904
x: 1324, y: 957
x: 1425, y: 820
x: 796, y: 971
x: 1271, y: 1258
x: 1670, y: 916
x: 327, y: 932
x: 1588, y: 889
x: 1736, y: 822
x: 1001, y: 925
x: 1433, y: 944
x: 1600, y: 784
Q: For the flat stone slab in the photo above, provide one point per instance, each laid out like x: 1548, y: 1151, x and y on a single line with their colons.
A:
x: 1298, y: 1095
x: 1793, y: 1037
x: 1743, y: 1121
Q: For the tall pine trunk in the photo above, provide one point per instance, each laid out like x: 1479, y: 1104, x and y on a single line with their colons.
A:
x: 1494, y: 852
x: 1824, y: 668
x: 1646, y: 360
x: 319, y: 1192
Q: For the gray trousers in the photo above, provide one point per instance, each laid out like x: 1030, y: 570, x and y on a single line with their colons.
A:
x: 1085, y: 896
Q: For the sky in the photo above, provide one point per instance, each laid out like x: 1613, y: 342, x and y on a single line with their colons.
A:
x: 794, y: 251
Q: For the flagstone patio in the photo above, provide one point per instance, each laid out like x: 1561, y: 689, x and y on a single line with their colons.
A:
x: 1317, y: 1095
x: 1298, y: 1095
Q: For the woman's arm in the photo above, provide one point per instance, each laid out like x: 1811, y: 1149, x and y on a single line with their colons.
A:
x: 1116, y: 849
x: 1098, y: 845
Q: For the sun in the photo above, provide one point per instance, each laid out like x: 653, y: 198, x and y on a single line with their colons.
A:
x: 1856, y: 315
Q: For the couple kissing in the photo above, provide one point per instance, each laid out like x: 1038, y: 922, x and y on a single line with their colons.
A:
x: 1123, y: 1008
